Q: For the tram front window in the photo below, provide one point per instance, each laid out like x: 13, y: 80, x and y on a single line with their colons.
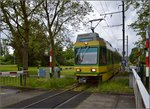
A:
x: 86, y: 55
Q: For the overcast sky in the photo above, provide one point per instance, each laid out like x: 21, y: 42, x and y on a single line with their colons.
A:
x: 112, y: 34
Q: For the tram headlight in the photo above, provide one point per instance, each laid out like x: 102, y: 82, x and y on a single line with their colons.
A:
x: 78, y: 70
x: 93, y: 70
x: 86, y: 43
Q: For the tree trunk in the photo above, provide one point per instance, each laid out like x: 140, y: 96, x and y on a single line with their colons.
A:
x: 25, y: 57
x: 53, y: 53
x: 26, y: 36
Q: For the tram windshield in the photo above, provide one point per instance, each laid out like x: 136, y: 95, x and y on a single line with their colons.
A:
x: 86, y: 55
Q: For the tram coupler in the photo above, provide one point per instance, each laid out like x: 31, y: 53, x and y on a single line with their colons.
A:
x: 82, y: 79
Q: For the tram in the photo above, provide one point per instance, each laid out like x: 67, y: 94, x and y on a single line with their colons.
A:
x: 95, y: 58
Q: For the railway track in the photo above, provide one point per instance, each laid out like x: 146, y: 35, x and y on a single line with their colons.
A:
x: 55, y: 99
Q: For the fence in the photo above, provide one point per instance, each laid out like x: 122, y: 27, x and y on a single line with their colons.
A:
x: 20, y: 78
x: 142, y: 98
x: 14, y: 78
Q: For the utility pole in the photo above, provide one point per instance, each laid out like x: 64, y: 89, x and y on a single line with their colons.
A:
x: 127, y: 50
x: 123, y: 33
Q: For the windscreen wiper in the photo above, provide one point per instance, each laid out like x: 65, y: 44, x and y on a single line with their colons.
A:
x: 78, y: 52
x: 84, y: 52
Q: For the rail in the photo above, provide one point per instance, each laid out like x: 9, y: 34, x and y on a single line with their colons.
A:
x: 142, y: 98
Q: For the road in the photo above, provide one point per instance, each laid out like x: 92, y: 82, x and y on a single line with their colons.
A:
x: 67, y: 99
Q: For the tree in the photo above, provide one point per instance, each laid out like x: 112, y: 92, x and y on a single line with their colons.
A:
x: 4, y: 47
x: 16, y: 16
x: 37, y: 44
x: 142, y: 8
x: 58, y: 14
x: 135, y: 54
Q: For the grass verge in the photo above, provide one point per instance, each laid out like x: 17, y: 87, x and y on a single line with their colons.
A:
x: 119, y: 85
x: 40, y: 83
x: 53, y: 83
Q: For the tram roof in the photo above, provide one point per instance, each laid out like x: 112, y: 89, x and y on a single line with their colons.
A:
x: 93, y: 36
x: 88, y: 37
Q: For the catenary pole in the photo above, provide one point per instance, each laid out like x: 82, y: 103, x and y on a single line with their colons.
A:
x: 123, y: 33
x: 127, y: 50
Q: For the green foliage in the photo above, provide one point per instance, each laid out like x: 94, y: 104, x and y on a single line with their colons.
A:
x: 60, y: 16
x: 41, y: 83
x: 142, y: 8
x: 7, y: 59
x: 135, y: 55
x: 37, y: 45
x: 9, y: 81
x: 34, y: 25
x: 67, y: 72
x: 50, y: 83
x: 4, y: 43
x: 116, y: 86
x: 69, y: 57
x: 34, y: 82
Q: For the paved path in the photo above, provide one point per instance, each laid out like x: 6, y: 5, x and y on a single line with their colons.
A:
x: 97, y: 101
x: 10, y: 96
x: 8, y: 91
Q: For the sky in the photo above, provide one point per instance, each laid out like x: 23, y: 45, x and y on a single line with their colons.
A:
x: 112, y: 34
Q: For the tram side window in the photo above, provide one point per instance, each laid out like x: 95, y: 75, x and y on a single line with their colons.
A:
x: 115, y: 58
x: 108, y: 57
x: 112, y: 56
x: 102, y: 55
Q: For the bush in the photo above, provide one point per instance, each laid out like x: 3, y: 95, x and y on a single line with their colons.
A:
x: 7, y: 59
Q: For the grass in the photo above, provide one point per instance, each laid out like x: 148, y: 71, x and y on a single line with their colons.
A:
x: 33, y: 70
x: 120, y: 85
x: 38, y: 82
x: 9, y: 81
x: 41, y: 83
x: 8, y: 68
x: 68, y: 72
x: 53, y: 83
x: 117, y: 85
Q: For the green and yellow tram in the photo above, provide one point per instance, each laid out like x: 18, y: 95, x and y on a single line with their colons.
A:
x: 95, y: 58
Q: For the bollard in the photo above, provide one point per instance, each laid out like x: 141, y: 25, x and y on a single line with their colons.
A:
x: 24, y: 77
x: 131, y: 80
x: 20, y: 79
x: 141, y: 74
x: 56, y: 72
